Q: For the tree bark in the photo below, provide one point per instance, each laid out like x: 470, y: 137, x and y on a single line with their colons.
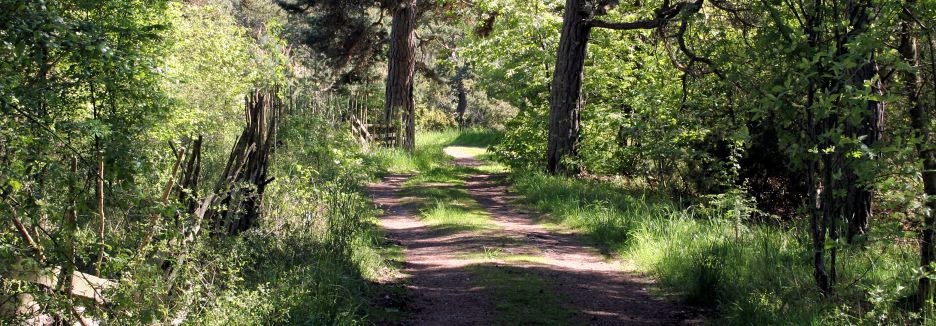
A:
x: 99, y: 191
x: 819, y: 187
x: 401, y: 66
x: 70, y: 229
x: 462, y: 106
x: 920, y: 121
x: 462, y: 94
x: 857, y: 208
x: 565, y: 93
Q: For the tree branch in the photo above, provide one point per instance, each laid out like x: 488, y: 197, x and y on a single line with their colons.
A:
x: 660, y: 16
x: 640, y: 24
x: 680, y: 37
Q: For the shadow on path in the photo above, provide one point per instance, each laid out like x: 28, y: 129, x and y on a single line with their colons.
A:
x: 439, y: 270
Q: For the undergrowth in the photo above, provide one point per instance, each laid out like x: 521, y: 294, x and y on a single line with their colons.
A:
x: 317, y: 254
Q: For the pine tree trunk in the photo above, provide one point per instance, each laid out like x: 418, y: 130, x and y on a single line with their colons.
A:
x: 462, y: 94
x: 565, y: 92
x: 462, y: 105
x: 401, y: 66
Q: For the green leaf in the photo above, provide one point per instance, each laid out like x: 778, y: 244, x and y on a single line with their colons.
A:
x: 16, y: 185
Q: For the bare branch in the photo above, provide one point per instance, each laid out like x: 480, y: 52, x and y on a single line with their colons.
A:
x: 660, y: 17
x: 680, y: 37
x: 641, y: 24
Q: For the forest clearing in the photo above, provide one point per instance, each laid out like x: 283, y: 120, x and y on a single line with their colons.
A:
x: 467, y: 162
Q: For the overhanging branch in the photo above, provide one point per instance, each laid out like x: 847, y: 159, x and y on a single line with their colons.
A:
x: 660, y: 17
x: 680, y: 37
x: 641, y: 24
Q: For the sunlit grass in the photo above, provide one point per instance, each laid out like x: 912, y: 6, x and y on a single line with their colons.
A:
x: 429, y: 155
x: 455, y: 217
x: 437, y: 183
x: 448, y: 206
x: 492, y: 254
x: 753, y: 274
x: 464, y: 151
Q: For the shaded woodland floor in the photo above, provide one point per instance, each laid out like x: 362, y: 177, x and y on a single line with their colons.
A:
x: 490, y: 263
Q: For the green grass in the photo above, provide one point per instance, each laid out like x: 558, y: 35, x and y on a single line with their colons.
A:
x: 520, y: 295
x: 429, y: 157
x: 437, y: 183
x: 455, y: 217
x: 475, y: 137
x: 751, y: 274
x: 493, y: 254
x: 748, y: 273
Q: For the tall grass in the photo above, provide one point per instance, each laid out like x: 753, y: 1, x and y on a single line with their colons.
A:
x: 750, y: 274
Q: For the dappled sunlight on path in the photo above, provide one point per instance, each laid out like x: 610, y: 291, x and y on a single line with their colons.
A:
x: 441, y: 265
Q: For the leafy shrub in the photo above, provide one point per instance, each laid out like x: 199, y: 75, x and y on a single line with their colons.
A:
x: 432, y: 119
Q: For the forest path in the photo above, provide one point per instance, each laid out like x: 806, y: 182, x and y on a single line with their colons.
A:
x: 513, y: 272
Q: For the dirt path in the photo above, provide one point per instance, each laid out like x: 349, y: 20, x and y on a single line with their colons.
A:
x: 440, y: 286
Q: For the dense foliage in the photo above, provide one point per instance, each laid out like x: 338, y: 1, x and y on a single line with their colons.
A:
x: 107, y: 93
x: 813, y: 115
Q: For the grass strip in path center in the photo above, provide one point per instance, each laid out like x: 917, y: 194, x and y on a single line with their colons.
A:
x: 521, y: 293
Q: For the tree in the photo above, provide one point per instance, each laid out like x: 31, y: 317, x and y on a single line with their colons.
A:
x: 461, y: 73
x: 346, y: 33
x: 921, y: 120
x: 401, y: 65
x: 835, y: 100
x: 565, y: 94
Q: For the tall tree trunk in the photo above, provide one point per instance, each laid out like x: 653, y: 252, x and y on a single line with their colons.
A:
x: 99, y: 192
x: 565, y: 93
x: 462, y: 94
x: 70, y: 230
x: 462, y: 105
x: 401, y: 66
x: 819, y: 187
x: 857, y: 206
x: 920, y: 121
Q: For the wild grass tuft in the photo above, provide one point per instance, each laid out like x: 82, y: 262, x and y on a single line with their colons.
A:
x: 455, y: 217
